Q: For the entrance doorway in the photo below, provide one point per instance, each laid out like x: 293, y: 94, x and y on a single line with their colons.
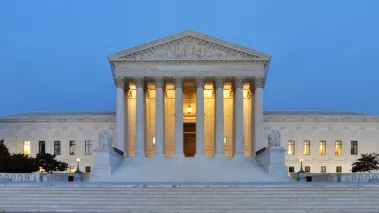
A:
x: 189, y: 140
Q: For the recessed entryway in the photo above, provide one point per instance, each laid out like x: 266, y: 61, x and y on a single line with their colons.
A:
x: 189, y: 139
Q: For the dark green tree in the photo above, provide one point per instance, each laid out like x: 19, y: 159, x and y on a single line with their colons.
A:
x: 3, y: 149
x: 366, y: 163
x: 48, y: 162
x: 20, y: 163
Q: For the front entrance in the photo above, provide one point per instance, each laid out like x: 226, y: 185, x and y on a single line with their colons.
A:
x: 189, y: 140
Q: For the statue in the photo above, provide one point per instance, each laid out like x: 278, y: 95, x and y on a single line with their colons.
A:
x: 274, y: 138
x: 106, y: 140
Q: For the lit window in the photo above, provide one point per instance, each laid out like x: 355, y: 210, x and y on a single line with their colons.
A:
x: 88, y: 169
x: 338, y: 147
x: 291, y: 169
x: 291, y: 147
x: 57, y: 147
x: 322, y: 147
x: 88, y: 147
x: 72, y: 169
x: 307, y: 169
x: 323, y: 169
x: 339, y: 169
x: 26, y: 148
x: 72, y: 147
x: 354, y: 147
x: 307, y: 147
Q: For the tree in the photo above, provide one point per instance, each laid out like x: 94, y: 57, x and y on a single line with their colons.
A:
x: 367, y: 163
x: 20, y: 163
x: 48, y: 162
x: 3, y: 149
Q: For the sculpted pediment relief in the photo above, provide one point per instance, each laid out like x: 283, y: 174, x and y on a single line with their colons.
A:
x: 189, y: 46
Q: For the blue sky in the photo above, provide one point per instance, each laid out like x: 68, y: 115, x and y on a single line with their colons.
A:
x: 53, y: 54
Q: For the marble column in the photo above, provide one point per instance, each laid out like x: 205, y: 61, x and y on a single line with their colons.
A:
x: 159, y: 116
x: 140, y: 117
x: 200, y: 116
x: 178, y: 116
x: 252, y: 129
x: 258, y: 113
x: 120, y: 113
x: 238, y: 119
x: 219, y: 116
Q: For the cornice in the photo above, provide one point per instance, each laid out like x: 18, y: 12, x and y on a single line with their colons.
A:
x: 187, y: 62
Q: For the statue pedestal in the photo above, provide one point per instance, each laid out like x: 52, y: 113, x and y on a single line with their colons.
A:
x: 105, y: 161
x: 273, y: 161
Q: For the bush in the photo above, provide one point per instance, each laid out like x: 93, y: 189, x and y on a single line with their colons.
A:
x: 48, y: 162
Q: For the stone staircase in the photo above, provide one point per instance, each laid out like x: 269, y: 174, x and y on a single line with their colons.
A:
x: 168, y: 198
x: 180, y: 169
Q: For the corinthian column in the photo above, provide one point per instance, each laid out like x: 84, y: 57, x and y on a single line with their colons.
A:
x: 238, y: 113
x: 178, y: 116
x: 258, y: 113
x: 200, y: 116
x: 120, y: 110
x: 140, y: 116
x: 159, y: 116
x: 219, y: 116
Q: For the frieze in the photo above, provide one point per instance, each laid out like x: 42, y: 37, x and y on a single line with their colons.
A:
x: 189, y: 47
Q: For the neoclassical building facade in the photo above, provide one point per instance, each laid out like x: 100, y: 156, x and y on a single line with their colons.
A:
x: 194, y: 96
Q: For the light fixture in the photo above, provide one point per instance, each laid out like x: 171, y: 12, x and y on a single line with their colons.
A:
x: 189, y: 109
x: 154, y: 140
x: 77, y: 159
x: 224, y: 140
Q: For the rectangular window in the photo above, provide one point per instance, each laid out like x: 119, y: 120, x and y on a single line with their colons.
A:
x: 339, y: 169
x: 57, y: 147
x: 323, y: 169
x: 26, y: 148
x: 291, y: 147
x: 72, y: 169
x: 338, y: 147
x: 307, y: 169
x: 88, y: 169
x: 354, y: 147
x: 322, y: 147
x: 72, y: 147
x: 41, y: 147
x: 88, y: 147
x: 307, y: 147
x: 291, y: 169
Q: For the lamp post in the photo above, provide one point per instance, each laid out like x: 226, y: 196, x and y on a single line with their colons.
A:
x: 301, y: 176
x: 78, y: 175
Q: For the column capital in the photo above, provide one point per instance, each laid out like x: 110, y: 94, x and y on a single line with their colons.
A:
x: 200, y: 81
x: 140, y: 81
x: 178, y: 81
x: 219, y: 82
x: 238, y: 82
x: 121, y: 82
x: 159, y: 82
x: 259, y: 82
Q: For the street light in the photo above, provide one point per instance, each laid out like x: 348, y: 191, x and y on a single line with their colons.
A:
x: 78, y: 175
x: 301, y: 176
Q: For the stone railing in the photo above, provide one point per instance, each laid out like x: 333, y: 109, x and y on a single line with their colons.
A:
x: 21, y: 177
x: 60, y: 177
x: 338, y: 177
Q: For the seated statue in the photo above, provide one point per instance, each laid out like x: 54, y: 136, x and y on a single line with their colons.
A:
x: 106, y: 140
x: 274, y: 138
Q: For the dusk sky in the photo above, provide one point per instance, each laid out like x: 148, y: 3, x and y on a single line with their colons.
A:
x: 53, y: 54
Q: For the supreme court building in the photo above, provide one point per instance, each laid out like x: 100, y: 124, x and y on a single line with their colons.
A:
x: 190, y: 108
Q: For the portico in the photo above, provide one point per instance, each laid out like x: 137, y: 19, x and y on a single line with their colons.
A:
x: 226, y: 100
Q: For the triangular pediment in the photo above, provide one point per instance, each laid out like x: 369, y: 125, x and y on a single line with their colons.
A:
x: 189, y: 45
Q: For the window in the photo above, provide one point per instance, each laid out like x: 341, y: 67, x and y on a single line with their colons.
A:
x: 72, y: 169
x: 88, y: 168
x: 307, y: 169
x: 338, y: 147
x: 41, y: 147
x: 307, y: 147
x: 57, y: 147
x: 72, y: 147
x: 322, y: 147
x: 354, y: 147
x: 323, y: 169
x: 88, y: 147
x: 291, y: 169
x: 339, y: 169
x: 291, y: 147
x: 26, y: 148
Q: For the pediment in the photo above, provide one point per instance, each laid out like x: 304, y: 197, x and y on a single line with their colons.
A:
x: 189, y: 45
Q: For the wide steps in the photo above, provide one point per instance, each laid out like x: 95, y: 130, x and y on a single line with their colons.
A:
x: 168, y: 198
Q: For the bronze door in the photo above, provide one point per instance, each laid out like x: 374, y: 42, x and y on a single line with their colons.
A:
x: 189, y: 147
